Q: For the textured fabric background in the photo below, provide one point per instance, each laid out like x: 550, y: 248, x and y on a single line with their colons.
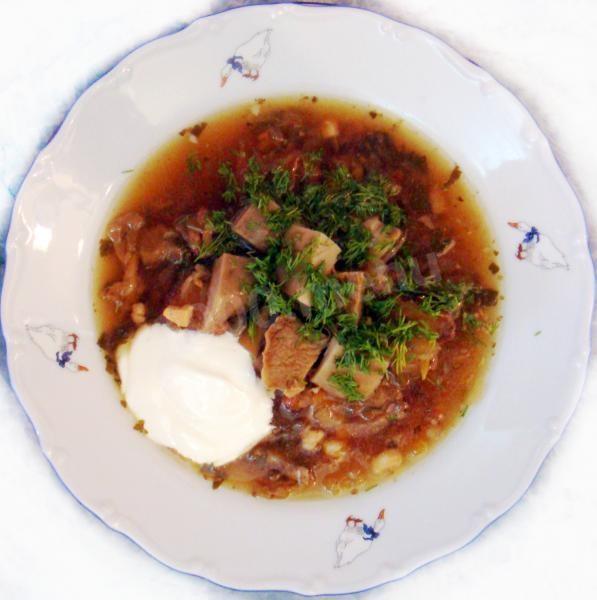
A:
x: 545, y: 547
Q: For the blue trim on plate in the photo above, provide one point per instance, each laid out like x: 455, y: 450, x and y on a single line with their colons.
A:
x: 57, y: 127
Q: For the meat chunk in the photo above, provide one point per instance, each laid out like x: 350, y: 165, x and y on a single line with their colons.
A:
x: 251, y: 225
x: 319, y: 249
x: 288, y: 356
x: 123, y: 232
x: 385, y: 240
x: 229, y: 292
x: 358, y: 280
x: 366, y: 381
x: 159, y: 244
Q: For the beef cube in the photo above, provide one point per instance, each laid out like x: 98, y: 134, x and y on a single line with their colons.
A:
x: 229, y: 292
x: 385, y: 241
x: 319, y: 250
x: 251, y: 225
x: 288, y: 356
x: 358, y: 280
x: 366, y: 381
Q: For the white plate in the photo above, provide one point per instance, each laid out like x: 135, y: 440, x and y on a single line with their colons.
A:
x: 483, y: 466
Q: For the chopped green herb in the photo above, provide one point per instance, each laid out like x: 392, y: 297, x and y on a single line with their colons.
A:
x: 335, y: 206
x: 464, y: 410
x: 280, y: 220
x: 280, y: 182
x: 470, y: 321
x: 194, y: 164
x: 218, y: 237
x: 232, y: 188
x: 370, y: 340
x: 346, y: 383
x: 435, y: 296
x: 537, y: 333
x: 444, y: 296
x: 311, y: 162
x: 493, y: 326
x: 254, y: 186
x: 329, y: 298
x: 252, y: 325
x: 356, y: 245
x: 266, y: 288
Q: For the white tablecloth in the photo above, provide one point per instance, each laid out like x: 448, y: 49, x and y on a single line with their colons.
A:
x: 545, y: 547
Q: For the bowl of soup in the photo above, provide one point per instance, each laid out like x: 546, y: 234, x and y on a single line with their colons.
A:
x: 282, y: 306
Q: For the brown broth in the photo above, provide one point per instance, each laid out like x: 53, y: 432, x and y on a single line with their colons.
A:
x: 163, y: 189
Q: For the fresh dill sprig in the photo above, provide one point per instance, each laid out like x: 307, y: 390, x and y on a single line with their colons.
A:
x: 311, y: 162
x: 218, y: 236
x: 255, y: 187
x: 371, y: 340
x: 230, y: 194
x: 444, y: 296
x: 347, y: 384
x: 434, y: 296
x: 252, y: 324
x: 194, y: 164
x: 356, y: 245
x: 329, y: 298
x: 266, y: 289
x: 470, y: 321
x: 336, y: 205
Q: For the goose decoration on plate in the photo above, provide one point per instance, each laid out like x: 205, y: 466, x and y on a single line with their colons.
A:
x: 248, y: 58
x: 56, y: 345
x: 537, y: 248
x: 356, y: 538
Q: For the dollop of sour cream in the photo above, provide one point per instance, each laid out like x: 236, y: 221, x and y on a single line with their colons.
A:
x: 197, y: 393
